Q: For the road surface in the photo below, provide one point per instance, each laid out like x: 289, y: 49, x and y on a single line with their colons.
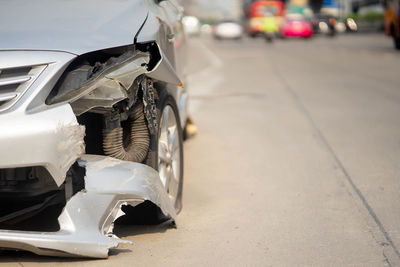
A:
x: 296, y: 163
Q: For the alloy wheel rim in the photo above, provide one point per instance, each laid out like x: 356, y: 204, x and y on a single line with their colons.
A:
x: 169, y: 153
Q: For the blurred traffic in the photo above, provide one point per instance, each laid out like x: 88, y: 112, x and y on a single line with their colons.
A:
x: 272, y: 19
x: 297, y: 117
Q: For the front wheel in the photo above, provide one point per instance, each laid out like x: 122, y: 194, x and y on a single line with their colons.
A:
x: 168, y: 149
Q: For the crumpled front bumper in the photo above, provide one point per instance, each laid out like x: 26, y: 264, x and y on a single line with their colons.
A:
x: 51, y: 138
x: 86, y: 222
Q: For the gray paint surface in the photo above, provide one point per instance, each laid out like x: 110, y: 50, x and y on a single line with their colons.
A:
x: 73, y: 26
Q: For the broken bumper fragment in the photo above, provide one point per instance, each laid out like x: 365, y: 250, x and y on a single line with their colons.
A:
x: 86, y: 223
x: 51, y: 138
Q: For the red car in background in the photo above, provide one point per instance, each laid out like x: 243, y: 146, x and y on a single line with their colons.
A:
x: 296, y: 25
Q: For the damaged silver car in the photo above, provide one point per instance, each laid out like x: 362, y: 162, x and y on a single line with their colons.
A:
x: 92, y: 111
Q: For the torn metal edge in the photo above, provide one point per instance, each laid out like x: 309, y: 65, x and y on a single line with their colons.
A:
x: 86, y: 222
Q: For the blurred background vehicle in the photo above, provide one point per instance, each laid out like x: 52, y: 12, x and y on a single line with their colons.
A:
x: 191, y: 25
x: 392, y: 22
x: 263, y: 15
x: 270, y: 27
x: 296, y: 25
x: 228, y: 29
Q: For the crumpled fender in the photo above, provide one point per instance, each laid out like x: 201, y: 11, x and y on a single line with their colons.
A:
x: 164, y: 71
x: 86, y: 223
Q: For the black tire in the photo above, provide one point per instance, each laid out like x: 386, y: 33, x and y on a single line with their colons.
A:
x: 163, y: 101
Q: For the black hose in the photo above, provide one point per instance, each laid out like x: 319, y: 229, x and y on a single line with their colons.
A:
x: 113, y: 144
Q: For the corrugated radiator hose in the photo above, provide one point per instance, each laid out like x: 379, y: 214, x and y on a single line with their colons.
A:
x: 113, y: 143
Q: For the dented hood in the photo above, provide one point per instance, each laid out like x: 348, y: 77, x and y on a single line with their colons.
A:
x: 75, y: 26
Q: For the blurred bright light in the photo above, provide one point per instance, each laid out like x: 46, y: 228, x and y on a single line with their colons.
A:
x: 323, y: 27
x: 191, y: 24
x: 228, y: 30
x: 352, y: 24
x: 340, y: 27
x: 190, y: 21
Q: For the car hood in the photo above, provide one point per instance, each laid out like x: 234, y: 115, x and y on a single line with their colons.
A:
x: 74, y: 26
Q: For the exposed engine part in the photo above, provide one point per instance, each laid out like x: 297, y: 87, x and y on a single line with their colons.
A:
x: 150, y: 108
x: 138, y: 145
x: 132, y: 143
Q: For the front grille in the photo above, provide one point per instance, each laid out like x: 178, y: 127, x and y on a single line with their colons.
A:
x: 14, y: 82
x: 25, y: 181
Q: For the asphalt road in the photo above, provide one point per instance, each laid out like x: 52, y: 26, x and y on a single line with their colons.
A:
x: 296, y: 162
